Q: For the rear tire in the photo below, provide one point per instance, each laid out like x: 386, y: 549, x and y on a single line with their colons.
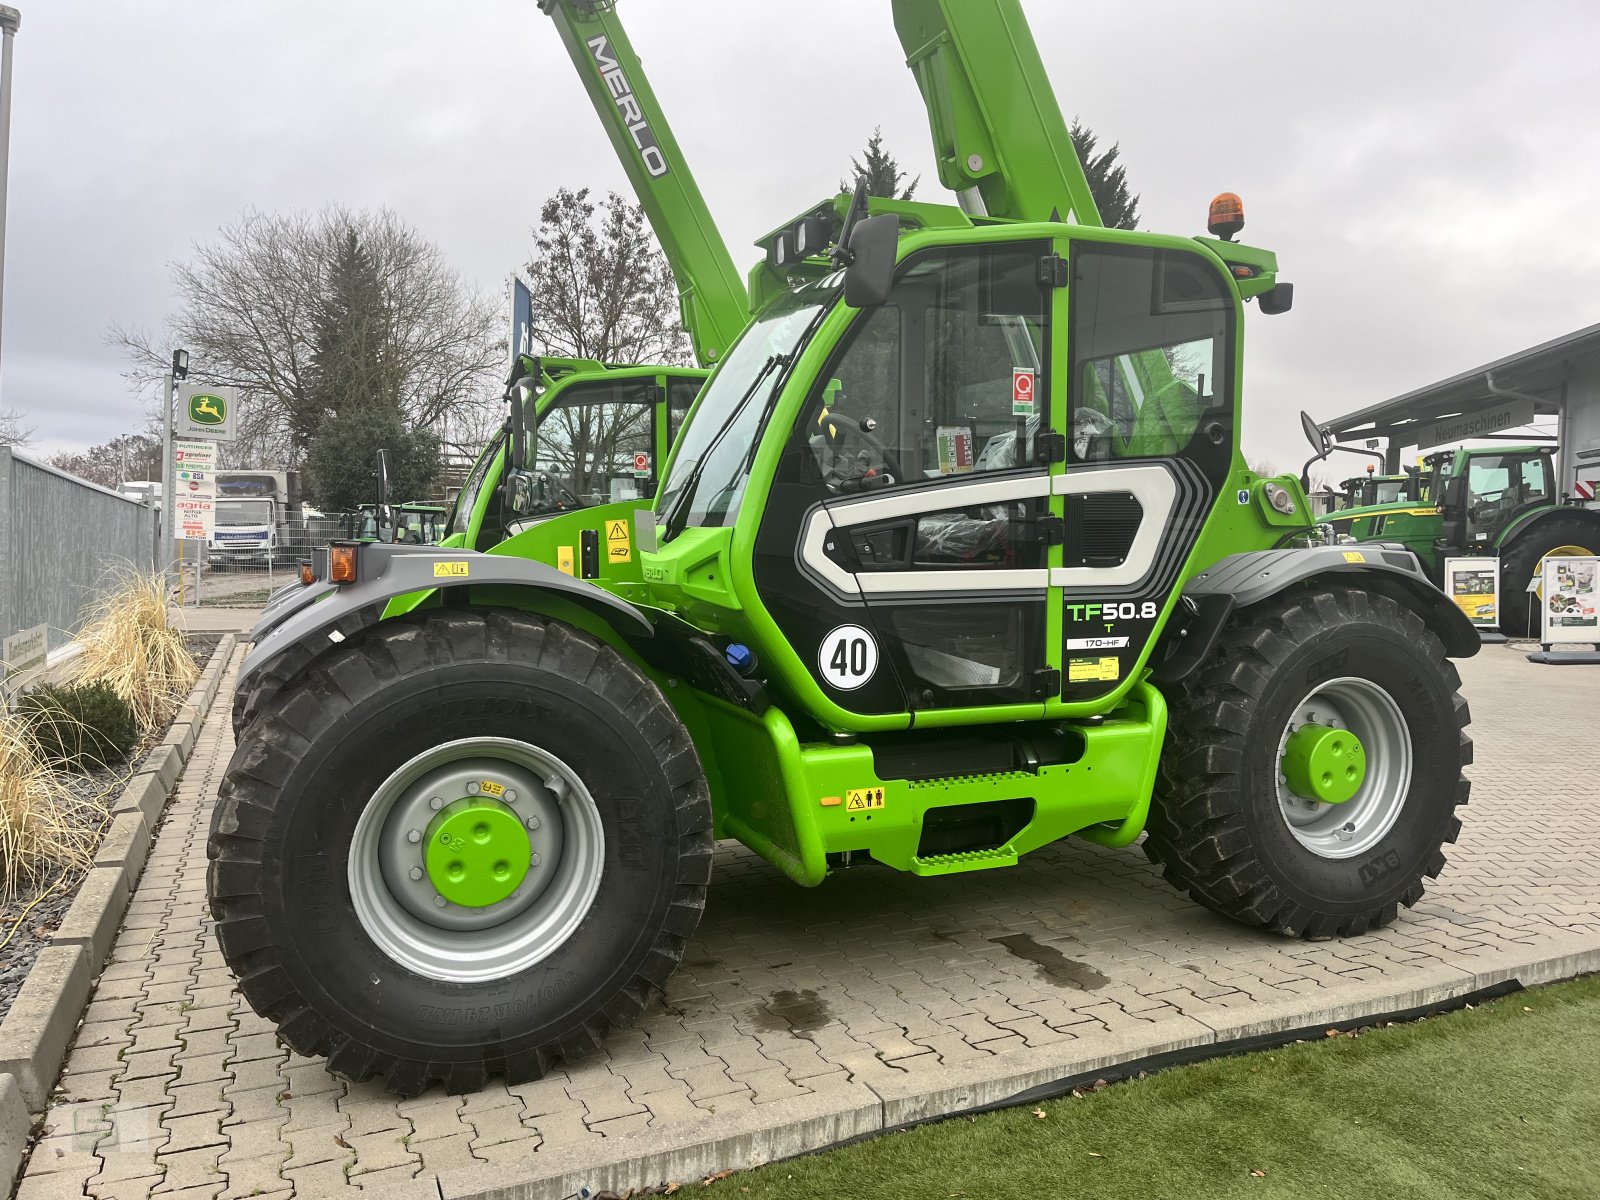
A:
x: 332, y: 930
x: 1521, y: 557
x: 1225, y: 824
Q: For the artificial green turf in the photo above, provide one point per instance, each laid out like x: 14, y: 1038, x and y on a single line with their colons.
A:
x: 1499, y: 1102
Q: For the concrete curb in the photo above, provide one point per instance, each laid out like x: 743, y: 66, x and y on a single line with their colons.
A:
x: 39, y: 1028
x: 16, y: 1123
x: 787, y: 1129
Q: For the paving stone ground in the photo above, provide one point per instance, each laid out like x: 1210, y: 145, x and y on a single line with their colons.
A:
x: 872, y: 1000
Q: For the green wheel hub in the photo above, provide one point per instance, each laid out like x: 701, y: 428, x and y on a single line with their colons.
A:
x: 1323, y: 763
x: 477, y: 853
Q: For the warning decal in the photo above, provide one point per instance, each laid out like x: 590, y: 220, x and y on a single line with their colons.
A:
x: 863, y: 799
x: 619, y: 542
x: 449, y: 570
x: 1354, y: 556
x: 1093, y: 670
x: 491, y: 788
x: 1022, y: 391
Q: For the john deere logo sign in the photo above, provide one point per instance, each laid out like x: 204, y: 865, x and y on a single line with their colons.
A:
x: 206, y: 412
x: 208, y: 409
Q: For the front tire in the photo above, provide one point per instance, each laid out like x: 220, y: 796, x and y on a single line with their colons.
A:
x: 1242, y: 825
x: 464, y: 845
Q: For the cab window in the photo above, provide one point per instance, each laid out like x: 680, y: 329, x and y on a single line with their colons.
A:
x: 589, y: 435
x: 680, y: 398
x: 1151, y: 342
x: 943, y: 380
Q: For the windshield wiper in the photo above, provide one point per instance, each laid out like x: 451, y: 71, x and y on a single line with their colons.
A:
x: 678, y: 515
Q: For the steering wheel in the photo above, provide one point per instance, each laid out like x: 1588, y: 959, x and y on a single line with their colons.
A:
x: 878, y: 459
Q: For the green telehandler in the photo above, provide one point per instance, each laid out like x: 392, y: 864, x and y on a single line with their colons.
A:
x: 1499, y: 502
x: 955, y: 556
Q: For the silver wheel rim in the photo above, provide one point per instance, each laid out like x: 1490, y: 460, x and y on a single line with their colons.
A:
x: 1354, y: 827
x: 396, y: 902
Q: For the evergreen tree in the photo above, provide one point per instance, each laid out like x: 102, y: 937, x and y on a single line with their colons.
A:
x: 341, y: 468
x: 1108, y: 179
x: 882, y: 173
x: 352, y: 406
x: 350, y: 335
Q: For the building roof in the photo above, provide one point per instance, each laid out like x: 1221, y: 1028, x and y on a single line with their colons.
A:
x: 1540, y: 371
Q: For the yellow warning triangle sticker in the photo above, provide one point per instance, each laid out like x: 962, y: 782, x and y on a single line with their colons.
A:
x: 617, y: 531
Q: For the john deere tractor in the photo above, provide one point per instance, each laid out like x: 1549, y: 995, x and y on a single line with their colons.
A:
x: 956, y: 556
x: 1500, y: 502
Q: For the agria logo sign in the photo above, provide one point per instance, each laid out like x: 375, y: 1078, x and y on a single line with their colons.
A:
x: 206, y: 409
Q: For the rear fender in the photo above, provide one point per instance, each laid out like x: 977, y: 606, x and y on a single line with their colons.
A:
x: 317, y: 626
x: 1242, y: 580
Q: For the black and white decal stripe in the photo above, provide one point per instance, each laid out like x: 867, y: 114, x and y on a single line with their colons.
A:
x: 1159, y: 490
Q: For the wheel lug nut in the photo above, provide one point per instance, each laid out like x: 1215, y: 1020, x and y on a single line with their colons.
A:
x: 416, y: 872
x: 440, y: 902
x: 535, y: 861
x: 414, y: 836
x: 533, y: 822
x: 472, y: 789
x: 510, y: 797
x: 436, y: 803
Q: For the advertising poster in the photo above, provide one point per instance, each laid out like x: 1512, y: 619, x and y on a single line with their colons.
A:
x: 194, y: 499
x: 1571, y: 603
x: 1473, y: 584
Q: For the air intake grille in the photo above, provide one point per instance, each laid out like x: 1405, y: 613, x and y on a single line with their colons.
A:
x: 1101, y: 527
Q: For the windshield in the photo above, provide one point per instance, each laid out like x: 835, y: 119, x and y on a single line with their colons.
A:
x: 778, y: 331
x: 467, y: 498
x: 244, y: 512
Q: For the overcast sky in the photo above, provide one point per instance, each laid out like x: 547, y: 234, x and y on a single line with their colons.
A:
x: 1427, y: 172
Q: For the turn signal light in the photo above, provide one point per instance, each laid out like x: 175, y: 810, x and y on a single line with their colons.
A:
x: 342, y: 564
x: 307, y: 575
x: 1227, y: 216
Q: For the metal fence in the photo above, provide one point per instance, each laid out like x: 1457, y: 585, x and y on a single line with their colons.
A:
x: 61, y: 538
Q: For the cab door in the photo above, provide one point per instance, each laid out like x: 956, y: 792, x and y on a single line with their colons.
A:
x: 905, y: 549
x: 1151, y: 401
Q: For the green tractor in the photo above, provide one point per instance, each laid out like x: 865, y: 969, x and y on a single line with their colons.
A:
x: 1364, y: 491
x: 1499, y: 502
x: 955, y: 556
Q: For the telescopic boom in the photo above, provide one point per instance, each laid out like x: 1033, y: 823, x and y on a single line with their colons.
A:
x: 711, y: 292
x: 998, y: 136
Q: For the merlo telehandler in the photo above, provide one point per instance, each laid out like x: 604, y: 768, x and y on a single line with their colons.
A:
x: 955, y: 556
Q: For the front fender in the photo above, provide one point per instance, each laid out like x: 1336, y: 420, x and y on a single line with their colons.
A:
x: 385, y: 571
x: 1241, y: 580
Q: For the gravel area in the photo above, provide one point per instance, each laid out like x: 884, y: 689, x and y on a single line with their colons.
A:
x: 27, y: 924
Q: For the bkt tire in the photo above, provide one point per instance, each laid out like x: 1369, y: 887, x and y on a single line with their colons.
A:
x: 1313, y: 766
x: 462, y: 845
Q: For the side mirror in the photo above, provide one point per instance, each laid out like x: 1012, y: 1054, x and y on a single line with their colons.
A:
x: 519, y: 394
x: 870, y: 275
x: 521, y: 488
x: 1321, y: 441
x: 382, y: 512
x: 1279, y: 300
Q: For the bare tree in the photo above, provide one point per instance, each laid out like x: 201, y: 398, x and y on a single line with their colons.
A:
x: 12, y: 430
x: 601, y: 286
x: 110, y: 464
x: 254, y: 298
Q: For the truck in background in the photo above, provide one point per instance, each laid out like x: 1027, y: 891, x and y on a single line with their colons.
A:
x: 257, y: 516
